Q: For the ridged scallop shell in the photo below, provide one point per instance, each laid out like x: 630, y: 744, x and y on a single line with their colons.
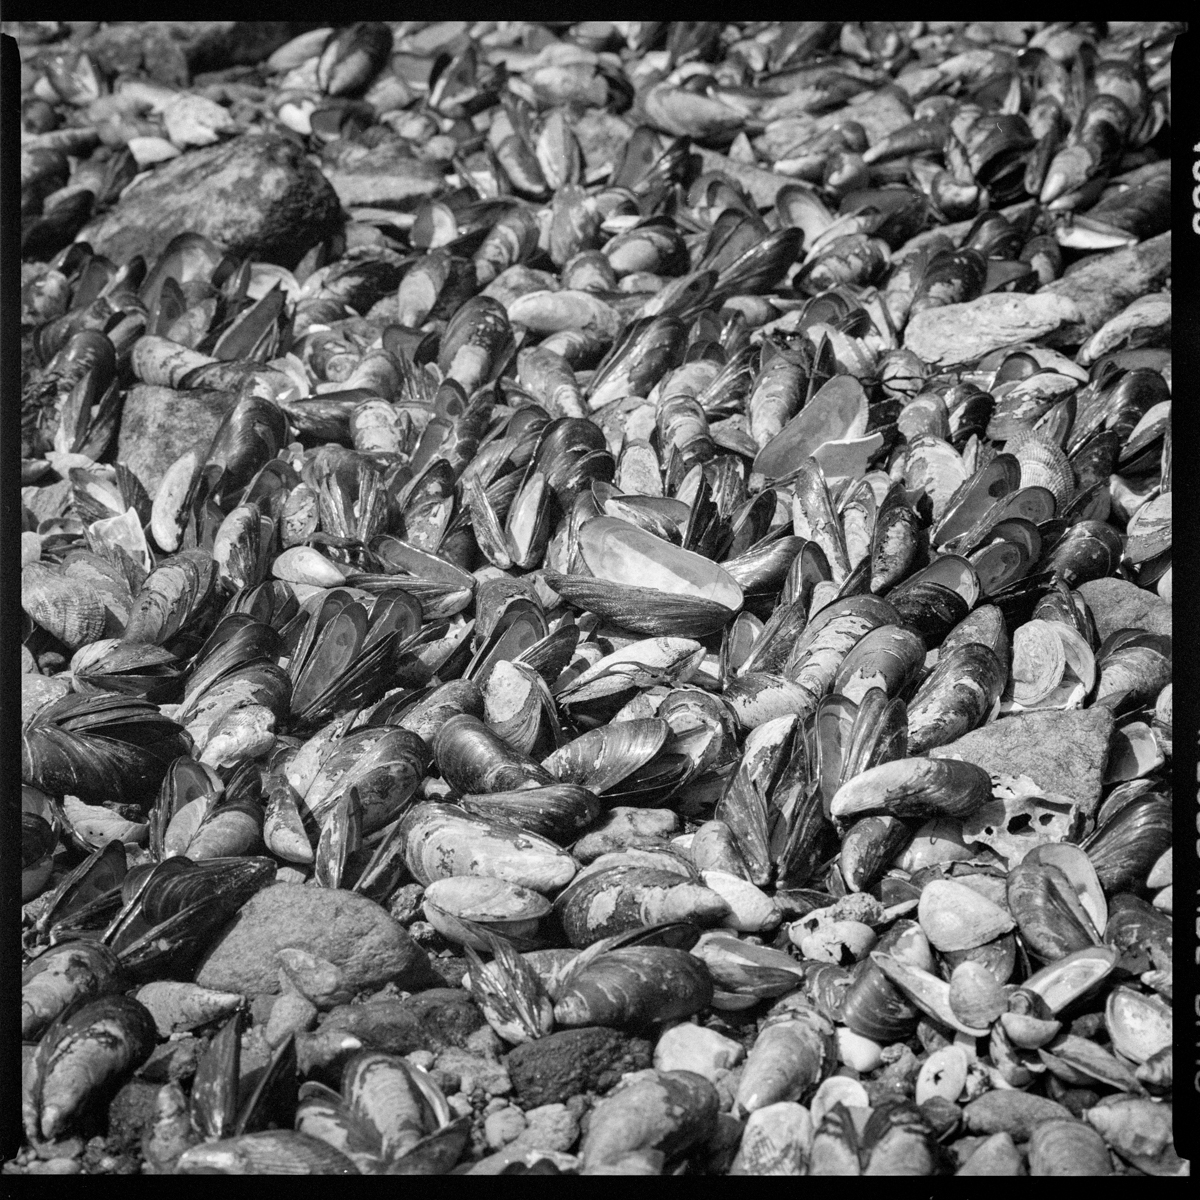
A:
x: 1043, y: 464
x: 1067, y: 1148
x: 67, y: 608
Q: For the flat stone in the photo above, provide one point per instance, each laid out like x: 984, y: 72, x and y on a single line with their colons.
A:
x: 962, y: 333
x: 386, y: 176
x: 256, y: 195
x: 1101, y: 286
x: 158, y: 424
x: 1065, y: 753
x: 430, y: 1020
x: 553, y: 1069
x: 1119, y: 604
x: 1013, y: 1112
x: 689, y: 1047
x: 550, y: 1127
x: 352, y: 932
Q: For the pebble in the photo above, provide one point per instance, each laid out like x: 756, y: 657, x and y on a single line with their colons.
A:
x: 857, y: 1051
x: 291, y: 1013
x: 555, y: 1068
x: 693, y: 1048
x: 551, y: 1127
x: 503, y: 1126
x: 474, y: 1072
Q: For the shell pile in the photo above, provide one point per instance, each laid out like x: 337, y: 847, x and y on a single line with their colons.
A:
x: 597, y: 598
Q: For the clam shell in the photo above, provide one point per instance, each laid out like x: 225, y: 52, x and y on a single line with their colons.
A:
x: 441, y: 841
x: 943, y: 1073
x: 453, y: 906
x: 1039, y: 661
x: 65, y: 607
x: 1139, y: 1025
x: 1067, y: 1148
x: 956, y: 917
x: 976, y: 995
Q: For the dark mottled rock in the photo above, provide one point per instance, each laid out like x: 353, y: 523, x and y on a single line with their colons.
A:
x: 255, y: 195
x: 555, y: 1068
x: 131, y: 1113
x: 1118, y: 604
x: 429, y: 1020
x: 352, y: 932
x: 158, y: 424
x: 1063, y: 752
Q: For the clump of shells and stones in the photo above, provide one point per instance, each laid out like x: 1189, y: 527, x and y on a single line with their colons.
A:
x: 597, y: 598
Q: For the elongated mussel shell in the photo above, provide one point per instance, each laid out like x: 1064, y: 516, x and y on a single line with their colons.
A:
x: 643, y: 583
x: 90, y: 1046
x: 615, y: 899
x: 440, y: 841
x: 62, y: 975
x: 915, y: 787
x: 635, y: 986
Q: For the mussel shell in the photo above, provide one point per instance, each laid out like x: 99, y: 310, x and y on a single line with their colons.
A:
x: 441, y: 841
x: 558, y: 811
x: 1125, y: 847
x: 473, y: 760
x: 635, y: 986
x: 456, y: 906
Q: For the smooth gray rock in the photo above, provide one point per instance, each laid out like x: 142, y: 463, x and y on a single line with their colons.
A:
x: 158, y: 424
x: 255, y: 195
x: 1119, y: 604
x: 1063, y: 752
x: 1102, y: 286
x: 350, y: 931
x: 960, y: 333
